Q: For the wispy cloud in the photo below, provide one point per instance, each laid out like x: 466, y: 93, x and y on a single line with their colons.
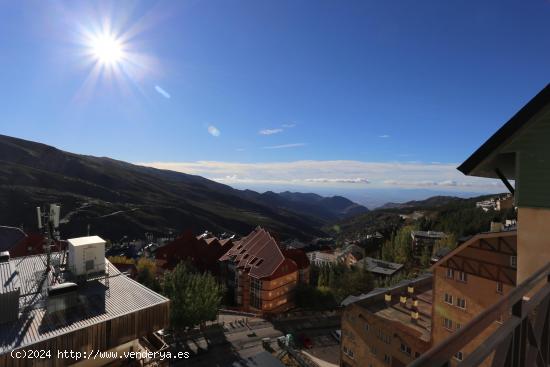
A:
x: 284, y: 146
x: 162, y: 92
x: 270, y: 131
x: 342, y: 173
x: 214, y: 131
x: 385, y: 136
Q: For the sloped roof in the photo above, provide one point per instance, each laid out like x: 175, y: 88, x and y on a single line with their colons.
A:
x: 472, y: 241
x: 298, y: 256
x: 9, y: 237
x: 506, y: 132
x: 34, y: 325
x: 258, y: 253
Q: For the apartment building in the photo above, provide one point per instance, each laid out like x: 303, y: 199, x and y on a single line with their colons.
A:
x: 260, y: 276
x: 425, y: 239
x: 468, y: 280
x: 387, y: 327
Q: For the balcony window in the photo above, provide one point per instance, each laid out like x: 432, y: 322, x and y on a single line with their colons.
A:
x: 448, y: 298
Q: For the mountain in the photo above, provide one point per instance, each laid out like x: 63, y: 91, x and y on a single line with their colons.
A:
x: 433, y: 201
x: 323, y: 209
x: 116, y: 198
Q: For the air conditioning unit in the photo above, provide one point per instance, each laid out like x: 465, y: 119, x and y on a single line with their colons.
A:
x: 86, y: 255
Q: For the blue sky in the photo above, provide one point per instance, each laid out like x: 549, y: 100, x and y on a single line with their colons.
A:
x: 315, y: 95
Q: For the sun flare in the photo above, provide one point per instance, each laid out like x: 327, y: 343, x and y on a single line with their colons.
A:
x: 107, y: 49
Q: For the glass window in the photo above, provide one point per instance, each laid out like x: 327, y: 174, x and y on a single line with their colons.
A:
x: 462, y: 276
x: 405, y: 349
x: 461, y: 303
x: 448, y: 298
x: 450, y: 273
x: 513, y: 261
x: 447, y: 323
x: 500, y: 287
x: 458, y: 356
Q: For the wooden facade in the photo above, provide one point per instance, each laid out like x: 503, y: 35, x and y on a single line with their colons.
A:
x: 100, y: 336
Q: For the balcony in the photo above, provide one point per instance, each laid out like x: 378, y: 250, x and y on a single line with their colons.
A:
x: 522, y: 340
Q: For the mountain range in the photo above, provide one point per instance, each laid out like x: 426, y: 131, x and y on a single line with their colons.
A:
x: 113, y: 198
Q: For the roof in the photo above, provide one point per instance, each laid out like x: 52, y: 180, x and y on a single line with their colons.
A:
x: 9, y: 281
x: 10, y: 236
x: 298, y: 256
x: 428, y: 234
x: 472, y: 241
x: 84, y: 241
x: 125, y: 296
x: 507, y: 131
x: 374, y: 303
x: 258, y: 253
x: 378, y: 266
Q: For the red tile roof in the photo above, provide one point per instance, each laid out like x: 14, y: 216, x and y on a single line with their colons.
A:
x: 258, y: 253
x: 298, y: 256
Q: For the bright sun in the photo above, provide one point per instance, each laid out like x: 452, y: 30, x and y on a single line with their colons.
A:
x: 107, y: 49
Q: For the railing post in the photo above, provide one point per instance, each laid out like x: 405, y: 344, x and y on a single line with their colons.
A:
x: 519, y: 339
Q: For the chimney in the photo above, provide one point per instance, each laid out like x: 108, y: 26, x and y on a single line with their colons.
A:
x: 403, y: 300
x: 387, y: 298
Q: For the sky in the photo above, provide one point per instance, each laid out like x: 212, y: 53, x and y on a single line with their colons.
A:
x: 362, y: 98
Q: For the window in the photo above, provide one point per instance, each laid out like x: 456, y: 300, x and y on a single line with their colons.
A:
x: 458, y: 325
x: 500, y: 287
x: 462, y: 277
x: 385, y: 338
x: 450, y: 273
x: 447, y: 323
x: 513, y: 261
x: 348, y: 352
x: 373, y: 350
x: 459, y: 356
x: 387, y: 359
x: 406, y: 349
x: 460, y: 303
x: 448, y: 298
x: 367, y: 326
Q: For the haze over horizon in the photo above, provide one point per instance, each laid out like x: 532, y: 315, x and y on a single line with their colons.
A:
x: 359, y: 99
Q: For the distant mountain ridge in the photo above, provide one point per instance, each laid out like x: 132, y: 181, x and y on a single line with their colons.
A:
x: 433, y: 201
x: 138, y: 199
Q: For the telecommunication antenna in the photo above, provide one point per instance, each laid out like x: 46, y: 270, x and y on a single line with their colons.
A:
x: 48, y: 224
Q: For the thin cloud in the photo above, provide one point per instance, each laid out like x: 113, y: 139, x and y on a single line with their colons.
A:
x: 284, y: 146
x: 270, y: 131
x: 214, y: 131
x: 342, y: 173
x: 385, y: 136
x: 162, y: 92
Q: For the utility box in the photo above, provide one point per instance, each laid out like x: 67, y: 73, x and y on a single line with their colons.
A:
x: 86, y: 255
x: 9, y: 292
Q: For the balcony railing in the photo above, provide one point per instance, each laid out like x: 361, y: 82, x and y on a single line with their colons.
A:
x: 522, y: 340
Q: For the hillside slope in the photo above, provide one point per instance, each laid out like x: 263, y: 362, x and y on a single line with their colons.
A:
x: 117, y: 198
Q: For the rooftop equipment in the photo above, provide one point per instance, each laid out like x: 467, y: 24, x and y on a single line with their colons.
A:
x: 86, y: 255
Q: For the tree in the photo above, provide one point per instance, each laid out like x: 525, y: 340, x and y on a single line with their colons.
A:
x: 195, y: 297
x: 146, y: 273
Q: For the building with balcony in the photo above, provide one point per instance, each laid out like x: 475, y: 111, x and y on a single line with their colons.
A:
x: 518, y: 151
x: 387, y: 327
x: 468, y: 280
x: 425, y: 240
x: 261, y: 278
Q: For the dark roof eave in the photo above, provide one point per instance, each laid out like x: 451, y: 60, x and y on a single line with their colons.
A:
x: 513, y: 125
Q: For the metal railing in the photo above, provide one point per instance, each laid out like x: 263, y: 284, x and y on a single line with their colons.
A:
x: 522, y: 340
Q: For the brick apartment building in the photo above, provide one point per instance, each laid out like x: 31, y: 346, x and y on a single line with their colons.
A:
x: 261, y: 276
x: 471, y: 278
x: 486, y: 268
x: 387, y: 327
